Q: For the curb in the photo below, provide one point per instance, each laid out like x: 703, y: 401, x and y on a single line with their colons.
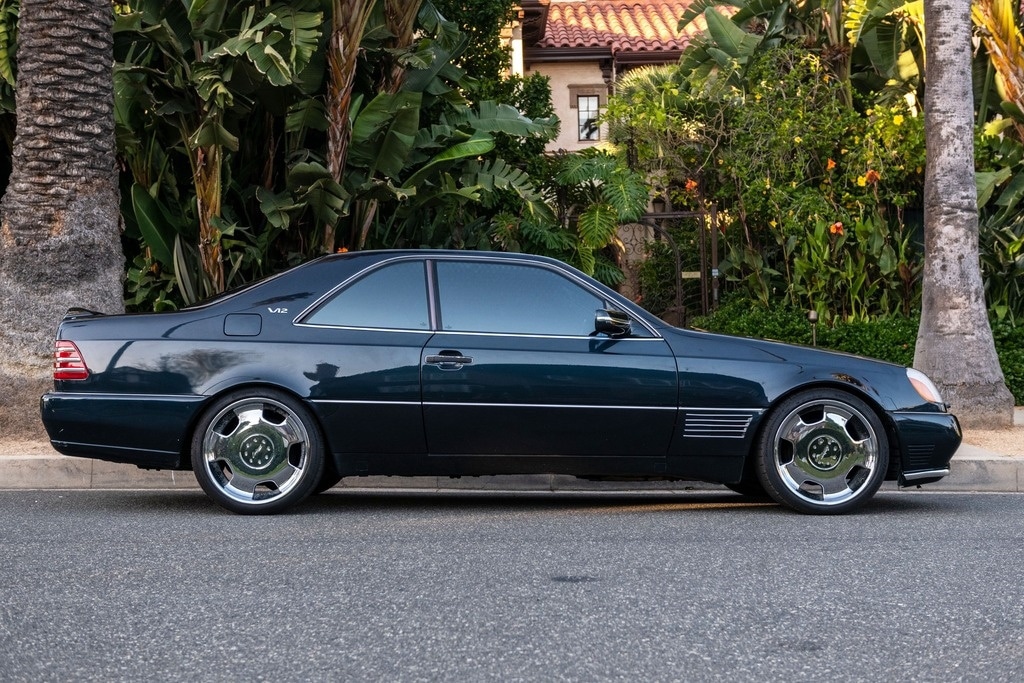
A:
x: 972, y: 469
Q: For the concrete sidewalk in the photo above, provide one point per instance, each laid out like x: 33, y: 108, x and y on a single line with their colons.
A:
x: 973, y: 469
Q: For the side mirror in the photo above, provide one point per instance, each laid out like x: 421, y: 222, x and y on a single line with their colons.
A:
x: 611, y: 322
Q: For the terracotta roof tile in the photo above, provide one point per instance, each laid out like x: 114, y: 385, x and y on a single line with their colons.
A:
x: 637, y: 26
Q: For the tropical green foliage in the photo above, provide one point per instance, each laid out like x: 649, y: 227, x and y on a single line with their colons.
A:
x: 225, y: 128
x: 812, y: 193
x: 8, y: 75
x: 592, y: 194
x: 1002, y: 263
x: 798, y: 120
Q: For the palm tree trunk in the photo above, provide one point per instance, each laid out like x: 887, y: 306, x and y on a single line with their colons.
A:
x: 349, y: 18
x: 59, y: 219
x: 954, y: 342
x: 400, y: 17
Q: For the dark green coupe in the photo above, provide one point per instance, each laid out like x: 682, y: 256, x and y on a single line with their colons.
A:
x: 476, y: 363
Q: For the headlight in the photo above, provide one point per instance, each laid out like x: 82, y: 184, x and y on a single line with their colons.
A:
x: 924, y: 386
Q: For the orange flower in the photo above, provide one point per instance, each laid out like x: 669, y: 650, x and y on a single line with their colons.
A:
x: 691, y: 185
x: 830, y: 165
x: 836, y: 228
x: 872, y: 176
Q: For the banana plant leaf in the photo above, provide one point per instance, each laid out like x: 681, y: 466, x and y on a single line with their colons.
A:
x: 157, y: 232
x: 476, y: 146
x: 384, y: 132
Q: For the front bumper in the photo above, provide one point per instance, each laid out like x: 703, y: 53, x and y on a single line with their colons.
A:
x: 926, y: 444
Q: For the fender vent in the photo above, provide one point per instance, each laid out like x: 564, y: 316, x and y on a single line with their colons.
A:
x: 709, y: 424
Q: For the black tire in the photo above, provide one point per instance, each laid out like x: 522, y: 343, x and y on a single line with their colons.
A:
x: 823, y: 452
x: 329, y: 479
x: 257, y: 451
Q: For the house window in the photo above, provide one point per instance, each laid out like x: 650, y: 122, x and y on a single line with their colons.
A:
x: 587, y: 112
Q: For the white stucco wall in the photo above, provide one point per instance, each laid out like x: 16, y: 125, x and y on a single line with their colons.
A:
x: 563, y: 75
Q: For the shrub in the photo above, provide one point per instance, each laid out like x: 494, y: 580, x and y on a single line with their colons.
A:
x: 1010, y: 348
x: 736, y: 316
x: 890, y: 339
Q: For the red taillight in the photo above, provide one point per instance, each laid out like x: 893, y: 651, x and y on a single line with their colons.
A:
x: 68, y: 363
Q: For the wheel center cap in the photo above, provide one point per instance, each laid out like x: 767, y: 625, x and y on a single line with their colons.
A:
x: 257, y: 451
x: 825, y: 453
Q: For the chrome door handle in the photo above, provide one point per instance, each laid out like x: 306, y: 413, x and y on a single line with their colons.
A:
x: 449, y: 360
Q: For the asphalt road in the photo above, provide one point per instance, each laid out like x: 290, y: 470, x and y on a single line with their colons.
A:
x: 162, y: 585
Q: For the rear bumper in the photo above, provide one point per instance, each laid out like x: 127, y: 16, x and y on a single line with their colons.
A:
x: 927, y: 442
x: 148, y: 431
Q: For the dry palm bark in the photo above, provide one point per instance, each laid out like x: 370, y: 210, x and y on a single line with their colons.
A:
x: 349, y: 18
x: 59, y: 220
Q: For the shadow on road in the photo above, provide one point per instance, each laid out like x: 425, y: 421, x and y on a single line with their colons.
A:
x: 342, y: 501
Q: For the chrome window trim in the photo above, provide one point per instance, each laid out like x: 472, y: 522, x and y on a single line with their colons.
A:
x: 476, y: 334
x: 554, y: 268
x: 297, y: 320
x: 433, y: 298
x: 526, y: 335
x: 365, y: 329
x: 428, y: 260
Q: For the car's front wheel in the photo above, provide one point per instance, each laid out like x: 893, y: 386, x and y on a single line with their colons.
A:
x: 257, y: 451
x: 823, y: 452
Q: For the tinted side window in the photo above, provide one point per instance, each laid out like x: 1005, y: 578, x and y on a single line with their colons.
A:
x: 393, y: 297
x: 511, y: 298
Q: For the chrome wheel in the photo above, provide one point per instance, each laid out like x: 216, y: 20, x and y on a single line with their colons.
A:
x: 257, y: 451
x: 823, y: 452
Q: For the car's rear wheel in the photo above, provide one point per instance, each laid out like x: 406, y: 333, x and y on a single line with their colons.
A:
x: 823, y: 452
x: 257, y: 451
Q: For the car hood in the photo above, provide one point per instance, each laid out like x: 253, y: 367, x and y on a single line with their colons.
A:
x: 780, y: 368
x: 686, y: 341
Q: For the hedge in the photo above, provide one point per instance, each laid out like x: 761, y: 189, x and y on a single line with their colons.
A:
x: 890, y: 339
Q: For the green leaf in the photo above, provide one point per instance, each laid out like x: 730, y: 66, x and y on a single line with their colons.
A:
x: 8, y: 44
x: 277, y: 207
x: 313, y: 186
x: 306, y: 173
x: 500, y: 175
x: 492, y: 117
x: 476, y: 146
x: 627, y: 193
x: 987, y: 181
x: 158, y: 235
x: 697, y: 8
x: 587, y: 261
x: 211, y: 132
x: 183, y: 274
x: 887, y: 262
x: 597, y: 225
x: 307, y: 113
x: 729, y: 37
x: 1011, y: 195
x: 269, y: 62
x: 384, y: 132
x: 1013, y: 111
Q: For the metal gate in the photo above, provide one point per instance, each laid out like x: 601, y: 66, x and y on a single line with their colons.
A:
x: 695, y: 268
